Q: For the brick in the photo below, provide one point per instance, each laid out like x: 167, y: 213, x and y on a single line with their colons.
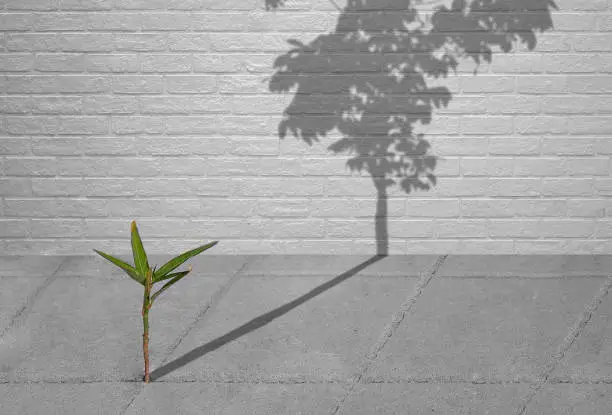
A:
x: 590, y: 125
x: 588, y: 207
x: 111, y: 63
x: 516, y: 146
x: 568, y: 146
x: 15, y: 22
x: 486, y: 125
x: 528, y: 166
x: 196, y: 42
x: 29, y: 167
x: 542, y: 84
x: 138, y: 125
x: 492, y: 166
x: 595, y: 84
x: 568, y: 228
x: 590, y: 166
x: 514, y: 187
x: 57, y: 228
x: 110, y: 104
x: 14, y: 228
x: 567, y: 187
x: 59, y: 22
x: 86, y: 5
x: 115, y: 22
x: 486, y: 208
x: 487, y: 84
x: 55, y: 207
x: 192, y: 84
x: 39, y: 5
x: 523, y: 228
x: 140, y: 42
x: 166, y: 63
x: 13, y: 62
x: 461, y: 228
x: 539, y: 207
x: 572, y: 104
x: 91, y: 42
x: 60, y: 63
x: 541, y: 124
x: 32, y: 42
x: 15, y: 187
x: 166, y: 21
x: 138, y: 84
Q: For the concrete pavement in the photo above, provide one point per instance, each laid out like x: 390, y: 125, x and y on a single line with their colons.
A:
x: 310, y: 335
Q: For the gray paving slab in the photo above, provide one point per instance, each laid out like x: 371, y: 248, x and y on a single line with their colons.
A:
x: 526, y: 265
x: 568, y: 399
x: 86, y: 328
x: 203, y: 264
x: 589, y: 358
x: 235, y: 399
x: 483, y: 329
x: 400, y: 265
x: 65, y: 399
x: 269, y: 329
x: 29, y: 266
x: 444, y: 399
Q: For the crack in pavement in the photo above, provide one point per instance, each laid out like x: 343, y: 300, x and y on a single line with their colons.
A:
x: 23, y: 311
x: 388, y: 331
x: 575, y: 332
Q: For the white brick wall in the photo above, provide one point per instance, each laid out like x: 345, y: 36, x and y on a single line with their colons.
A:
x: 169, y: 111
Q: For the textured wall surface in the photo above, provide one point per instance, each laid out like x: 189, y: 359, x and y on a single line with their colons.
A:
x: 306, y: 126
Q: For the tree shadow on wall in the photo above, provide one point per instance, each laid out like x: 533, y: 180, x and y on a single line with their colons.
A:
x: 368, y: 80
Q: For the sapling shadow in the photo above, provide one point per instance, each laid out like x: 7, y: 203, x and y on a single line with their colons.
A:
x: 142, y: 273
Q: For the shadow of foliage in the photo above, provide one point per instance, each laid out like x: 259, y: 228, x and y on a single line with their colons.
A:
x: 368, y: 79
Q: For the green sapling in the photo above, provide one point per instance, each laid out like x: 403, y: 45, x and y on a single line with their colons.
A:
x: 147, y: 276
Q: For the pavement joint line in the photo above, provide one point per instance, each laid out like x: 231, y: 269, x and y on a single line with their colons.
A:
x: 309, y: 382
x: 22, y: 313
x: 575, y: 332
x: 215, y: 298
x: 389, y: 329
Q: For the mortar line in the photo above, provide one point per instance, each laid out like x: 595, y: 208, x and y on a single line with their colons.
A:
x: 22, y: 313
x: 214, y: 300
x: 575, y: 332
x: 388, y: 331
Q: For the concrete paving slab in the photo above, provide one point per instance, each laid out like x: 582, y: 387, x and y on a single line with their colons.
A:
x: 269, y: 329
x: 299, y: 265
x: 91, y: 329
x: 235, y: 399
x: 14, y: 294
x: 96, y: 266
x: 65, y: 399
x: 29, y: 266
x: 483, y: 329
x: 568, y: 399
x: 443, y: 399
x: 526, y: 265
x: 589, y: 358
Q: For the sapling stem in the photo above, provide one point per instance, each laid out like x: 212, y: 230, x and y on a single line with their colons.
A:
x: 146, y: 306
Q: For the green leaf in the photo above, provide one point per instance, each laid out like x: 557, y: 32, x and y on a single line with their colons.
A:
x: 177, y: 277
x: 168, y: 276
x: 130, y: 270
x: 175, y: 262
x: 140, y: 257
